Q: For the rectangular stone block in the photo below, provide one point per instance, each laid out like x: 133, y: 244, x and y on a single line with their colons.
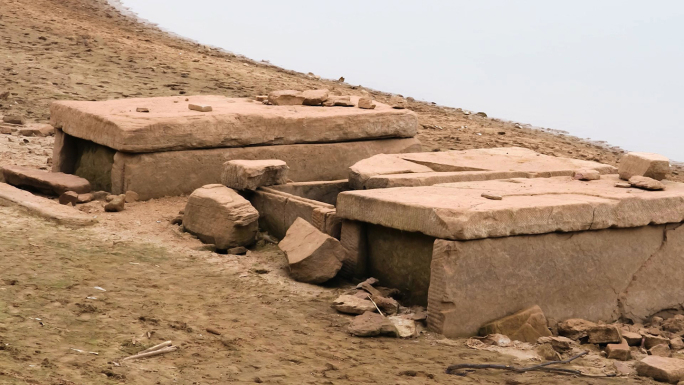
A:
x: 594, y: 275
x: 233, y: 122
x: 51, y: 183
x: 322, y: 191
x: 644, y: 164
x: 353, y: 239
x: 251, y: 174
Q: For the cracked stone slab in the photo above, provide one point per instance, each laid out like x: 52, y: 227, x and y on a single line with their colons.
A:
x: 43, y: 207
x: 233, y: 122
x: 428, y: 168
x: 529, y: 206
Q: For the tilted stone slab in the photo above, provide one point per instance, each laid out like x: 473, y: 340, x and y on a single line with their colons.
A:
x: 529, y: 206
x: 426, y: 168
x: 646, y: 164
x: 43, y: 207
x: 233, y: 122
x: 52, y: 183
x: 602, y: 275
x: 176, y: 173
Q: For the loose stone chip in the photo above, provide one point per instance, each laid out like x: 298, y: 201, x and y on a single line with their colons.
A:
x: 199, y: 107
x: 492, y: 196
x: 142, y: 109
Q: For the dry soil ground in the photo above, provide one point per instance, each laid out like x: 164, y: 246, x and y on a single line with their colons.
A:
x: 161, y: 284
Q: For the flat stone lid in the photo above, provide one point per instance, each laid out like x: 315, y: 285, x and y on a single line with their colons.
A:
x: 529, y: 206
x: 233, y: 122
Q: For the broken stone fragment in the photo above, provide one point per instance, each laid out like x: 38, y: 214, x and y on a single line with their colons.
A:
x: 674, y: 324
x: 663, y: 369
x: 286, y: 98
x: 646, y: 164
x: 366, y: 103
x: 52, y: 183
x: 660, y: 350
x: 651, y: 341
x: 117, y: 204
x: 252, y: 174
x: 493, y: 197
x: 604, y: 334
x: 314, y: 97
x: 241, y: 250
x: 313, y: 256
x: 220, y: 216
x: 85, y: 198
x: 559, y: 344
x: 200, y: 107
x: 623, y: 185
x: 68, y: 197
x: 178, y: 220
x: 388, y: 306
x: 586, y: 175
x: 526, y: 325
x: 100, y: 195
x: 575, y: 328
x: 676, y: 344
x: 547, y: 353
x: 338, y: 101
x: 619, y: 351
x: 405, y: 327
x: 497, y: 340
x: 372, y: 324
x: 633, y: 339
x: 131, y: 196
x: 350, y: 304
x: 398, y: 102
x: 41, y: 130
x: 261, y: 98
x: 14, y: 119
x: 143, y: 109
x: 646, y: 183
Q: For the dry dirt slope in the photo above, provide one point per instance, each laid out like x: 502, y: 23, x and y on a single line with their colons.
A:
x: 84, y: 49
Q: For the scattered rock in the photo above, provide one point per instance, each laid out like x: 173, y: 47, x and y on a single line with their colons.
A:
x: 143, y: 109
x: 200, y: 107
x: 240, y: 250
x: 14, y: 119
x: 676, y: 344
x: 604, y: 334
x: 674, y: 324
x: 661, y: 350
x: 526, y: 325
x: 586, y: 175
x: 313, y: 256
x: 252, y: 174
x: 220, y: 216
x: 286, y: 98
x: 661, y: 369
x: 389, y: 306
x: 559, y: 344
x: 623, y: 185
x: 547, y: 353
x: 262, y: 98
x: 405, y: 327
x: 68, y: 197
x: 494, y: 197
x: 651, y: 341
x: 52, y: 183
x: 624, y: 368
x: 350, y: 304
x: 314, y: 97
x: 619, y: 351
x: 482, y: 114
x: 633, y: 339
x: 497, y: 340
x: 85, y: 198
x: 575, y: 328
x: 398, y: 102
x: 646, y: 183
x: 100, y: 195
x: 178, y: 220
x: 41, y: 130
x: 131, y: 196
x: 366, y: 103
x: 372, y: 324
x: 117, y: 204
x: 338, y: 101
x: 646, y: 164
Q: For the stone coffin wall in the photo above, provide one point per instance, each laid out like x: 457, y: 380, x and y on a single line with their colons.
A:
x: 595, y: 275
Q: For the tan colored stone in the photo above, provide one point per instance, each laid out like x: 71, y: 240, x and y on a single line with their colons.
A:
x: 314, y: 97
x: 200, y: 107
x: 661, y: 350
x: 14, y: 119
x: 252, y: 174
x: 547, y: 353
x: 674, y: 324
x: 526, y: 325
x: 604, y: 334
x: 559, y: 344
x: 661, y: 369
x: 624, y: 368
x: 498, y: 340
x: 406, y: 327
x: 380, y: 164
x: 575, y: 328
x: 173, y: 173
x: 220, y: 216
x: 676, y: 344
x: 41, y: 130
x: 85, y: 198
x: 646, y: 183
x: 117, y: 204
x: 338, y: 101
x: 619, y: 351
x: 371, y: 325
x: 54, y: 183
x: 353, y: 239
x: 398, y: 102
x: 43, y: 207
x: 314, y: 257
x: 350, y: 304
x: 286, y: 98
x: 644, y: 164
x: 68, y: 197
x: 587, y: 175
x: 232, y: 123
x: 529, y: 206
x: 132, y: 196
x: 633, y: 339
x: 366, y: 103
x: 651, y: 341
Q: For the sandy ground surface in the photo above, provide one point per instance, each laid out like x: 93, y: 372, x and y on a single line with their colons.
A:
x: 162, y: 284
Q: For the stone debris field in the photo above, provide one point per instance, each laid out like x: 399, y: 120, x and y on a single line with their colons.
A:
x: 535, y: 256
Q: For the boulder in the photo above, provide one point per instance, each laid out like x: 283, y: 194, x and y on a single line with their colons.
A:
x: 586, y: 175
x: 646, y: 183
x: 372, y: 324
x: 52, y: 183
x: 314, y: 257
x: 252, y: 174
x: 68, y: 197
x: 661, y: 369
x: 526, y: 325
x: 338, y: 101
x: 350, y: 304
x: 575, y: 328
x: 315, y: 97
x: 117, y: 204
x: 660, y: 350
x: 619, y: 351
x: 604, y: 334
x: 644, y: 164
x: 220, y: 216
x: 366, y: 103
x: 286, y: 98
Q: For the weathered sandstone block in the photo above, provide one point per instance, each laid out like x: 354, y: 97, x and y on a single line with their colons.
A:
x: 314, y: 97
x: 644, y: 164
x: 663, y: 369
x: 527, y: 325
x: 314, y: 257
x: 220, y: 216
x: 251, y: 174
x: 52, y: 183
x: 286, y: 98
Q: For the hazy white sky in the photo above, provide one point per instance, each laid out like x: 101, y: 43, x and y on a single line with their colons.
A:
x: 603, y: 69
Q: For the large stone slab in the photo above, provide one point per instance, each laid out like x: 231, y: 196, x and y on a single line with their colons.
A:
x: 646, y: 164
x: 529, y: 206
x: 601, y: 275
x: 176, y: 173
x: 171, y: 125
x: 428, y: 168
x: 43, y: 207
x: 51, y: 183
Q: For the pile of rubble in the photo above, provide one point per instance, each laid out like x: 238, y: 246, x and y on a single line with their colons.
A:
x: 322, y: 97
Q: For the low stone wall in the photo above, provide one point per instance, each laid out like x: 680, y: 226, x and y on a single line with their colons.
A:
x: 595, y: 275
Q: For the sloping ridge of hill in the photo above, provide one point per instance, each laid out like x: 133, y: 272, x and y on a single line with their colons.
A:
x: 88, y: 50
